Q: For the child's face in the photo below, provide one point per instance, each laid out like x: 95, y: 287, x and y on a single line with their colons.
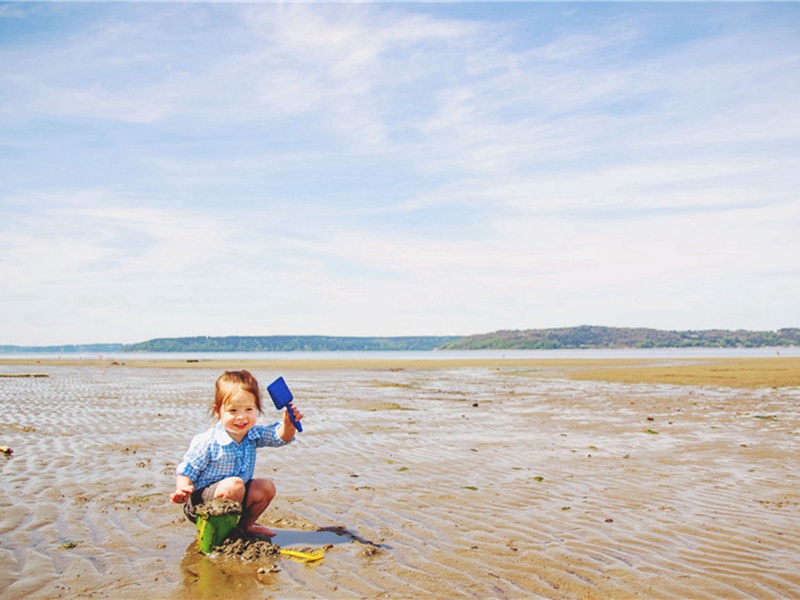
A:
x: 239, y: 415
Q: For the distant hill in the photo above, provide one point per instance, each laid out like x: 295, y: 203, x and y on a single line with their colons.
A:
x: 584, y: 336
x: 587, y: 336
x: 288, y: 343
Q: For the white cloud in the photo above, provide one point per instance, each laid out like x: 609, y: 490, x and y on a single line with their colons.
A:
x: 91, y: 239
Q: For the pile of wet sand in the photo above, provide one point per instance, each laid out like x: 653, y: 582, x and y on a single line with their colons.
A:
x: 242, y: 546
x: 218, y: 507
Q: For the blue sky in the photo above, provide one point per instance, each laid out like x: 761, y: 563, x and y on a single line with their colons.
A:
x: 396, y: 169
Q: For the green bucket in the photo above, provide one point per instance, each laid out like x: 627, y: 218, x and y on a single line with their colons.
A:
x: 212, y: 530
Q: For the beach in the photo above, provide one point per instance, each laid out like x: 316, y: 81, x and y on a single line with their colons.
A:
x: 484, y: 478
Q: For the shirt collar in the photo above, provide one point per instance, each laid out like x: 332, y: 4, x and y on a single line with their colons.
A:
x: 221, y: 436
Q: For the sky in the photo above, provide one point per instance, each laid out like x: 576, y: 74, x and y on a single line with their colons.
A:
x: 388, y: 169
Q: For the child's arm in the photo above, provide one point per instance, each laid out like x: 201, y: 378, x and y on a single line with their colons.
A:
x: 287, y: 429
x: 183, y: 489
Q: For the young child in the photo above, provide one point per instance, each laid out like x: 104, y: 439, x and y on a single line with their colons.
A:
x: 220, y: 462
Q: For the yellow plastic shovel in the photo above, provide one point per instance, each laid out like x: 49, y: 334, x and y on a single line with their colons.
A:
x: 306, y: 557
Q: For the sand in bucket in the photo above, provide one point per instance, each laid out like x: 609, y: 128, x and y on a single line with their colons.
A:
x: 215, y: 520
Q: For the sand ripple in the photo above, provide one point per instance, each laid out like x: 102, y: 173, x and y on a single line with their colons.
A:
x: 457, y: 482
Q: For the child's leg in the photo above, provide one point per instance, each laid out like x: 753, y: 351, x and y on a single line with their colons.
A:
x: 231, y: 488
x: 260, y: 493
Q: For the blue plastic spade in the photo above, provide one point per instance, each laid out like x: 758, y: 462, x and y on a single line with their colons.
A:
x: 282, y: 397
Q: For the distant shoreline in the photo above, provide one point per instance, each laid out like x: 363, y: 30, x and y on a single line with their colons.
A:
x: 775, y: 371
x: 561, y: 338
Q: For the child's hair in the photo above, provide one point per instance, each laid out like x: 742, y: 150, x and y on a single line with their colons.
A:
x: 231, y: 382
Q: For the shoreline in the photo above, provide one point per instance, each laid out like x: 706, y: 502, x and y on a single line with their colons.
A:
x: 727, y: 372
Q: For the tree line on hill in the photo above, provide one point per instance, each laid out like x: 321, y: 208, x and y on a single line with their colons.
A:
x: 270, y: 343
x: 587, y: 336
x: 584, y: 336
x: 289, y: 343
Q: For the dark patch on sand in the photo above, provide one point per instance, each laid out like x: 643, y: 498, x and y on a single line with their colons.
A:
x: 343, y: 531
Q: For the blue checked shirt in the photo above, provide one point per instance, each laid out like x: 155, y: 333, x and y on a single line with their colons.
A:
x: 213, y: 455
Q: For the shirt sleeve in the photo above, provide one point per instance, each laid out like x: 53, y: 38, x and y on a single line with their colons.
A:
x: 196, y: 458
x: 267, y: 435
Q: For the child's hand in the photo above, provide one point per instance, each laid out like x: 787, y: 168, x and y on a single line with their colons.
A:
x: 288, y: 426
x: 181, y: 494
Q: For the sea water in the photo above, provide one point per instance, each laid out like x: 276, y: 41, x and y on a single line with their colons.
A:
x: 572, y: 353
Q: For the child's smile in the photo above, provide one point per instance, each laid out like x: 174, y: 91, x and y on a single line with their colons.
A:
x: 239, y: 415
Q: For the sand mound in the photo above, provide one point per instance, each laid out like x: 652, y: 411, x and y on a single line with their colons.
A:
x: 248, y: 548
x: 218, y: 507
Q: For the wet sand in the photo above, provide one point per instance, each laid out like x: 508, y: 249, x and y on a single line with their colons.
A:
x: 728, y: 372
x: 545, y: 479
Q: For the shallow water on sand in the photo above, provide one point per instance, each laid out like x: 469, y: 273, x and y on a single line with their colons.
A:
x: 464, y: 482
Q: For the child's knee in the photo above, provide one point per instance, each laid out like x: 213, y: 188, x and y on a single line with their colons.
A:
x: 264, y: 488
x: 231, y: 488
